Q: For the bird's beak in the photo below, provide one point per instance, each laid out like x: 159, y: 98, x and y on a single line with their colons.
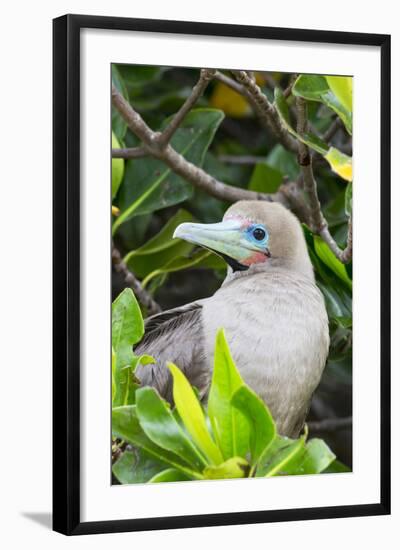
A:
x: 225, y: 239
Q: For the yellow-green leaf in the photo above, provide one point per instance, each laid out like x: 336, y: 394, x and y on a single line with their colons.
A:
x: 117, y: 168
x: 230, y: 426
x: 342, y: 87
x: 233, y: 468
x: 192, y: 415
x: 325, y: 254
x: 340, y: 163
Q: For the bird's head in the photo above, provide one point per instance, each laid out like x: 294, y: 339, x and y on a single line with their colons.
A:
x: 252, y: 233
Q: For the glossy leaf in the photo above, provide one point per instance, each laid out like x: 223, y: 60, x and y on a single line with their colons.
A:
x: 284, y: 161
x: 340, y: 163
x: 134, y: 466
x: 262, y: 425
x: 149, y: 184
x: 230, y: 426
x: 192, y: 415
x: 201, y: 259
x: 317, y: 457
x: 113, y: 383
x: 316, y: 88
x: 161, y: 427
x: 327, y: 256
x: 279, y: 455
x: 160, y: 249
x: 336, y: 467
x: 117, y: 168
x: 233, y: 468
x: 119, y: 125
x: 265, y: 179
x: 169, y: 475
x: 126, y: 426
x: 342, y: 87
x: 127, y: 330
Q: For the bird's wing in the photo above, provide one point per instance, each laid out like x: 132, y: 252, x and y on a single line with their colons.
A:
x: 176, y: 336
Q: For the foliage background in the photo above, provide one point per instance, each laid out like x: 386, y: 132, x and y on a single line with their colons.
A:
x: 230, y: 144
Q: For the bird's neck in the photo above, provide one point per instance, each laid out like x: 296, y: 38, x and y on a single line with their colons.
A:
x: 274, y: 265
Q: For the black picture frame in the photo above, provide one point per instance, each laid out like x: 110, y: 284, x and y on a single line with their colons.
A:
x: 66, y: 273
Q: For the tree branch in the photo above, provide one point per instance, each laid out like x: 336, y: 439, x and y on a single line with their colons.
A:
x: 141, y: 294
x: 330, y: 424
x: 192, y: 173
x: 129, y: 153
x: 265, y: 110
x: 318, y: 221
x: 333, y: 128
x: 231, y: 83
x: 206, y: 75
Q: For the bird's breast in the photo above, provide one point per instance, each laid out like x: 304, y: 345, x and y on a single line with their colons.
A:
x: 277, y: 329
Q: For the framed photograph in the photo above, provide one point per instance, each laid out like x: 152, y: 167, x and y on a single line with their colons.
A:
x: 221, y: 288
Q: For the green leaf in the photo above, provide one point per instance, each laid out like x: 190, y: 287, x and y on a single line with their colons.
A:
x: 317, y: 457
x: 348, y: 199
x: 192, y: 415
x: 160, y: 249
x: 169, y: 475
x: 279, y: 456
x: 137, y: 76
x: 133, y: 383
x: 113, y: 383
x: 317, y: 88
x: 233, y: 468
x: 127, y: 330
x: 308, y: 138
x: 265, y: 179
x: 262, y: 425
x: 284, y: 161
x: 134, y: 466
x: 119, y: 125
x: 327, y: 256
x: 201, y: 259
x: 342, y: 87
x: 150, y: 185
x: 340, y: 163
x: 117, y: 168
x: 126, y: 426
x: 336, y: 467
x: 230, y: 426
x: 160, y: 426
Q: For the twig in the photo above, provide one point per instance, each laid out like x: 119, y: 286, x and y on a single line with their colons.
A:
x: 318, y: 221
x: 241, y: 159
x: 206, y: 75
x: 265, y: 110
x: 288, y: 90
x: 331, y: 131
x: 230, y: 82
x: 330, y: 424
x: 129, y: 153
x: 192, y: 173
x: 141, y: 294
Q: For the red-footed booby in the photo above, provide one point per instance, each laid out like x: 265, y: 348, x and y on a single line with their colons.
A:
x: 273, y: 314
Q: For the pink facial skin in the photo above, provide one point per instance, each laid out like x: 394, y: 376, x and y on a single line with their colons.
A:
x: 255, y: 258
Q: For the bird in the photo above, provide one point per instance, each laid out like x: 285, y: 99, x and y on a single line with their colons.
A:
x: 269, y: 306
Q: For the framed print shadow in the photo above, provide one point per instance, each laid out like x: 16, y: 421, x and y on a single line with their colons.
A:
x: 221, y: 286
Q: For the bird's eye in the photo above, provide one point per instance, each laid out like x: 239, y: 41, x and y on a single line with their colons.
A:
x: 259, y: 234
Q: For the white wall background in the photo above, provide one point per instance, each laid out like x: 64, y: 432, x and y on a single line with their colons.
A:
x: 25, y: 273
